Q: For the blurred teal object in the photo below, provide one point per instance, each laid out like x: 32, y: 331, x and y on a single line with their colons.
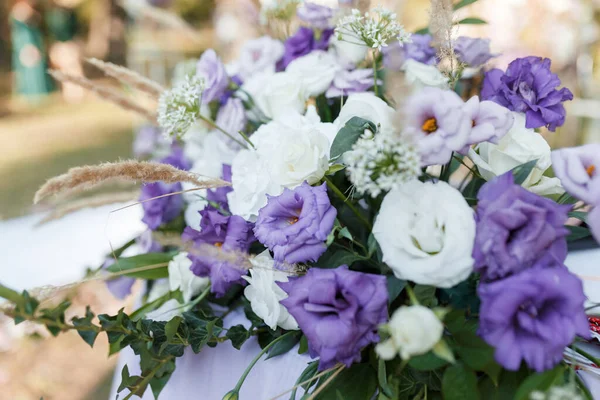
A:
x: 29, y: 59
x: 61, y: 23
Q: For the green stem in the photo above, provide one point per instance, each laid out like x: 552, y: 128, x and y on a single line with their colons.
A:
x: 10, y: 295
x: 375, y: 88
x: 217, y: 127
x: 144, y: 382
x: 237, y: 387
x: 586, y: 354
x: 352, y: 207
x: 201, y: 297
x: 411, y: 295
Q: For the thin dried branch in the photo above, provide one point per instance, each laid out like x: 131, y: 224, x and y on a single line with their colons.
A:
x: 88, y: 202
x: 128, y: 77
x: 106, y: 93
x: 90, y: 176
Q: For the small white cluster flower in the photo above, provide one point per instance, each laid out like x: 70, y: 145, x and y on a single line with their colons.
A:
x: 567, y: 392
x: 380, y: 163
x: 376, y: 28
x: 179, y: 108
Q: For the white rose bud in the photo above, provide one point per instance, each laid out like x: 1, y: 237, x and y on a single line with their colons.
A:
x: 315, y: 70
x: 264, y: 294
x: 420, y: 75
x: 276, y: 94
x: 426, y: 232
x: 366, y: 106
x: 413, y: 331
x: 181, y: 277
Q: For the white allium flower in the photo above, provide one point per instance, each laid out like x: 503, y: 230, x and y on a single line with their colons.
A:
x: 413, y: 331
x: 179, y: 108
x: 181, y: 277
x: 264, y: 294
x: 380, y: 163
x: 374, y: 29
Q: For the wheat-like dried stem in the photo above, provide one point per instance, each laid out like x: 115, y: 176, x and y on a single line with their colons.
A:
x: 105, y: 93
x: 128, y: 77
x: 442, y: 27
x: 90, y: 176
x: 88, y: 202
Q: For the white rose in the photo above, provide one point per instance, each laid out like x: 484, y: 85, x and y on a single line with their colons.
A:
x: 315, y: 70
x: 182, y: 278
x: 259, y: 56
x: 348, y: 48
x: 426, y: 232
x: 276, y: 94
x: 420, y: 75
x: 264, y: 294
x: 251, y: 182
x: 413, y: 331
x: 293, y: 154
x: 366, y: 106
x: 519, y: 146
x: 169, y: 309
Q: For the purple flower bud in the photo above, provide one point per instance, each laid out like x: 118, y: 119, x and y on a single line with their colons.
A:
x: 473, y: 51
x: 315, y: 15
x: 295, y: 224
x: 338, y: 310
x: 213, y: 71
x: 528, y: 86
x: 302, y: 43
x: 532, y: 316
x: 348, y: 82
x: 227, y: 233
x: 517, y: 229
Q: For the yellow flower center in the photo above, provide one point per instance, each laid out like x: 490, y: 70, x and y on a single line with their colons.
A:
x: 293, y: 220
x: 429, y: 126
x: 219, y: 244
x: 590, y: 170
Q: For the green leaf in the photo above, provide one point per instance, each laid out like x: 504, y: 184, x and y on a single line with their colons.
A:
x: 412, y: 382
x: 88, y: 336
x: 566, y: 198
x: 238, y: 335
x: 172, y: 327
x: 523, y: 171
x: 472, y: 21
x: 425, y: 295
x: 159, y: 381
x: 463, y: 3
x: 580, y: 215
x: 334, y: 259
x: 202, y: 329
x: 127, y: 380
x: 460, y: 383
x: 345, y: 233
x: 443, y: 351
x: 395, y: 286
x: 541, y: 382
x: 307, y: 374
x: 427, y: 362
x: 462, y: 296
x: 334, y: 168
x: 349, y: 134
x: 577, y: 232
x: 303, y: 348
x: 284, y: 345
x: 382, y: 377
x: 359, y: 382
x: 143, y: 260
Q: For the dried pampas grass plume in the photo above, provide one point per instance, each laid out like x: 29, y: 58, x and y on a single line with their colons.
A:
x: 90, y: 176
x: 128, y: 77
x: 442, y: 29
x: 88, y: 202
x: 105, y: 93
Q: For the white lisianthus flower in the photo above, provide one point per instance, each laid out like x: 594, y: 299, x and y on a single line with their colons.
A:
x: 519, y: 146
x: 182, y: 278
x: 413, y: 331
x: 264, y: 294
x: 259, y: 56
x: 170, y: 308
x: 420, y: 75
x: 251, y: 182
x: 276, y: 94
x: 191, y: 215
x: 315, y: 70
x: 293, y: 154
x: 426, y: 232
x: 366, y: 106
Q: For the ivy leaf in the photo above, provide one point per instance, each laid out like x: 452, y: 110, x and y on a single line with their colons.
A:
x: 285, y: 345
x: 472, y: 21
x: 88, y: 336
x: 359, y: 382
x: 159, y: 381
x: 127, y: 381
x: 238, y: 335
x: 463, y: 3
x: 540, y: 382
x: 124, y: 264
x: 349, y: 134
x: 172, y: 327
x: 56, y: 314
x: 460, y: 383
x: 523, y: 171
x: 202, y: 330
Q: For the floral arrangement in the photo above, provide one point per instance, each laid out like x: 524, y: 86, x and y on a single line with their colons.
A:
x: 411, y: 241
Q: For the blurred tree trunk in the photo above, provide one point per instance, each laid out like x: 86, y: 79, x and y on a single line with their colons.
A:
x: 106, y: 39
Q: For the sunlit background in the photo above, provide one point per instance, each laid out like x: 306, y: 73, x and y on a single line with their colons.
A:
x: 45, y: 129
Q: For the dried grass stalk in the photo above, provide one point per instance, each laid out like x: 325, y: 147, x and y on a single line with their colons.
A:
x: 90, y: 176
x: 106, y: 93
x: 442, y: 29
x: 89, y: 202
x: 167, y: 19
x: 128, y: 77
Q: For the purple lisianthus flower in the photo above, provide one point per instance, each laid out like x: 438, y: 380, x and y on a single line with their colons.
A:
x: 489, y: 121
x: 348, y: 82
x: 516, y: 229
x: 317, y: 16
x: 259, y: 56
x: 232, y: 118
x: 295, y: 224
x: 158, y: 211
x: 229, y: 234
x: 148, y: 139
x: 473, y: 51
x: 146, y: 243
x: 439, y: 124
x: 528, y: 86
x: 420, y: 49
x: 593, y: 222
x: 338, y: 310
x: 219, y: 195
x: 213, y: 71
x: 532, y: 316
x: 578, y: 169
x: 303, y: 42
x: 119, y: 287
